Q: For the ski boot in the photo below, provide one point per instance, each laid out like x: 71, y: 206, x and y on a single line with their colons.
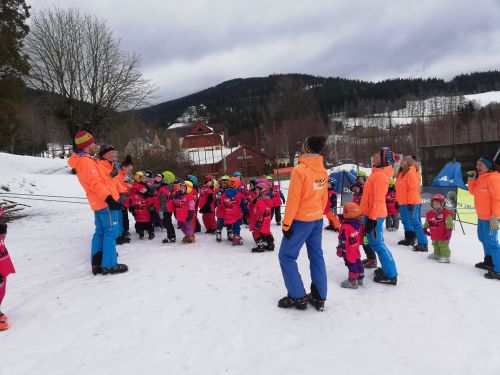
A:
x: 433, y: 256
x: 151, y: 235
x: 369, y: 263
x: 444, y: 260
x: 361, y: 279
x: 487, y: 264
x: 190, y: 239
x: 492, y: 275
x: 420, y: 247
x: 270, y: 244
x: 288, y: 302
x: 381, y: 279
x: 349, y: 284
x: 237, y: 241
x: 229, y: 234
x: 218, y: 235
x: 409, y: 239
x: 122, y: 240
x: 119, y: 268
x: 315, y: 299
x: 168, y: 240
x: 259, y: 248
x: 378, y: 272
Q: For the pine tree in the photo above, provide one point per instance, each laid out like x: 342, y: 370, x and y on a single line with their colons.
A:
x: 13, y: 64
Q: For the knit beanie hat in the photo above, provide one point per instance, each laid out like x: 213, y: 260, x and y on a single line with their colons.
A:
x: 105, y: 149
x: 314, y: 145
x: 83, y: 139
x: 387, y: 156
x: 487, y: 161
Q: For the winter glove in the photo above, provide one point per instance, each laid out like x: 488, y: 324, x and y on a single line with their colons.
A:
x: 427, y: 232
x: 411, y: 207
x: 471, y: 175
x: 370, y: 226
x: 340, y: 252
x: 493, y: 223
x: 396, y: 204
x: 447, y: 234
x: 258, y: 224
x: 3, y: 228
x: 190, y: 215
x: 288, y: 233
x: 151, y: 209
x: 112, y: 204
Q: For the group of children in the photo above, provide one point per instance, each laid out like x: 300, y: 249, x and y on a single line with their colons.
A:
x: 226, y: 202
x: 438, y: 226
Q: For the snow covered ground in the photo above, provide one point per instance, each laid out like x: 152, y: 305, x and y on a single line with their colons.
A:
x: 211, y: 308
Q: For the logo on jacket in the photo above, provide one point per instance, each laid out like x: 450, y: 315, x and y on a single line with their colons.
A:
x: 319, y: 184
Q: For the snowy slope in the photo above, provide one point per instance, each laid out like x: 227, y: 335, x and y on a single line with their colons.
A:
x: 211, y: 308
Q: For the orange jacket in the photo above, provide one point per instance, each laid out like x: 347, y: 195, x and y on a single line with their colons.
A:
x: 88, y: 175
x: 376, y: 187
x: 408, y: 187
x: 486, y: 192
x: 308, y: 191
x: 112, y: 183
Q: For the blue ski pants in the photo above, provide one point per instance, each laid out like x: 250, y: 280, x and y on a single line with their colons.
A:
x: 106, y: 231
x: 376, y: 241
x: 310, y: 233
x: 489, y: 239
x: 412, y: 222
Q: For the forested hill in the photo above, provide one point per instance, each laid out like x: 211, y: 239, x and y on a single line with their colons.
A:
x: 244, y: 103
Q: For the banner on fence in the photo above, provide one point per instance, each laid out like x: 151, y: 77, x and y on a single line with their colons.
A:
x: 465, y: 207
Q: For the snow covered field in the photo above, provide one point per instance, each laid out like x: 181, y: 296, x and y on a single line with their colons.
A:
x: 212, y: 308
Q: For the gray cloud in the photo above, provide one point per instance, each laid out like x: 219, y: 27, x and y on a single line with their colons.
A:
x: 191, y: 45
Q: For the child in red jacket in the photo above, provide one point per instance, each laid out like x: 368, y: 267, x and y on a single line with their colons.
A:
x: 234, y: 207
x: 143, y: 207
x: 439, y: 225
x: 207, y: 205
x: 261, y: 217
x: 6, y: 268
x: 219, y: 210
x: 331, y: 208
x: 392, y: 220
x: 185, y: 207
x: 350, y: 239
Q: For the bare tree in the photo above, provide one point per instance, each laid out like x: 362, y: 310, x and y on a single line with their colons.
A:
x: 79, y: 59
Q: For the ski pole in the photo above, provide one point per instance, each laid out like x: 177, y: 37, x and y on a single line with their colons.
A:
x: 460, y: 221
x: 45, y: 200
x: 41, y: 195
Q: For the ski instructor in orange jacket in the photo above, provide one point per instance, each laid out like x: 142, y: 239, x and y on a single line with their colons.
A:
x: 105, y: 206
x: 303, y: 223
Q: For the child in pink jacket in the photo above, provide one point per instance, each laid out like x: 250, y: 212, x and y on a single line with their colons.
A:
x: 6, y: 268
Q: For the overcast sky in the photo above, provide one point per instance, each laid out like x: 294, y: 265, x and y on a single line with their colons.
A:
x: 189, y: 45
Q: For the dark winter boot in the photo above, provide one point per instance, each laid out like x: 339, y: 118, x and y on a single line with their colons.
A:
x: 409, y: 239
x: 259, y: 248
x: 381, y: 279
x: 122, y: 240
x: 168, y: 240
x: 96, y: 263
x: 315, y: 299
x: 270, y: 243
x: 369, y: 263
x: 229, y: 233
x: 420, y: 247
x: 119, y: 268
x: 378, y: 272
x: 288, y: 302
x: 487, y: 264
x: 126, y: 234
x: 151, y: 235
x: 218, y: 235
x: 141, y: 234
x: 197, y: 227
x: 492, y: 275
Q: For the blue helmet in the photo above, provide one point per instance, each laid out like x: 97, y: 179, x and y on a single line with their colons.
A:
x: 237, y: 174
x: 192, y: 178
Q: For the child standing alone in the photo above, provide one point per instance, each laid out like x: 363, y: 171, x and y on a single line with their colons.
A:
x: 439, y: 225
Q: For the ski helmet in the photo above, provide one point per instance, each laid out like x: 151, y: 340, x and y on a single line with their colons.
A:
x: 392, y: 182
x: 216, y: 183
x: 361, y: 174
x: 351, y: 210
x: 149, y: 175
x: 237, y: 174
x: 168, y: 177
x: 440, y: 198
x: 192, y: 178
x: 188, y: 185
x: 206, y: 179
x: 269, y: 178
x: 263, y: 188
x: 138, y: 176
